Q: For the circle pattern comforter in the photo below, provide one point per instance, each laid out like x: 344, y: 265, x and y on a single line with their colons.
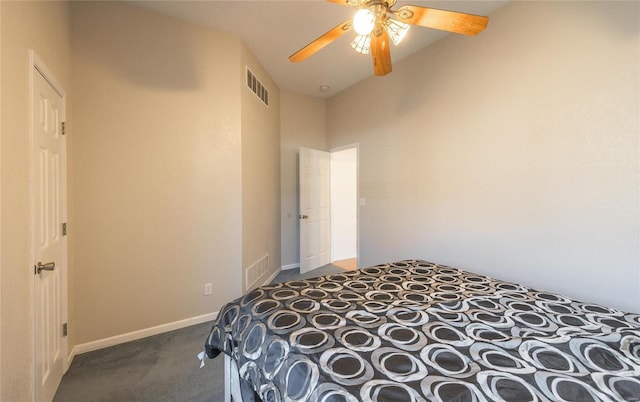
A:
x: 418, y: 331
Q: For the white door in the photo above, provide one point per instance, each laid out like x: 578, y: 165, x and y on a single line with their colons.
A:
x: 315, y: 208
x: 49, y: 241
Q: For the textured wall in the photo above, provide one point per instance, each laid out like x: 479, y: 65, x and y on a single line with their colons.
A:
x: 513, y: 153
x: 157, y: 169
x: 43, y: 27
x: 260, y: 169
x: 302, y: 121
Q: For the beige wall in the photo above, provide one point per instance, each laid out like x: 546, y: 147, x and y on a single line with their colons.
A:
x: 0, y: 199
x: 43, y: 27
x: 260, y: 169
x: 163, y: 139
x: 157, y: 169
x: 513, y: 153
x: 303, y: 124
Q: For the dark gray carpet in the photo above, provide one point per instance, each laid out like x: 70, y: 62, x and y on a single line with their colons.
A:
x: 158, y: 368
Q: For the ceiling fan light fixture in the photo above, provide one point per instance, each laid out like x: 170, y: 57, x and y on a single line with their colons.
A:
x: 364, y: 21
x: 377, y: 23
x: 397, y: 30
x: 362, y: 44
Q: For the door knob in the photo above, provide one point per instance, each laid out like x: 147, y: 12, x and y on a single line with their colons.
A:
x: 303, y: 216
x: 50, y: 266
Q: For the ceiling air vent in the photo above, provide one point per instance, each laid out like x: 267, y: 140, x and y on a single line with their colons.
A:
x: 257, y: 88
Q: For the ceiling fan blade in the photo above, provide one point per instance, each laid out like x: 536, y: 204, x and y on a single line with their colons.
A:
x: 321, y: 42
x: 380, y: 52
x: 466, y: 24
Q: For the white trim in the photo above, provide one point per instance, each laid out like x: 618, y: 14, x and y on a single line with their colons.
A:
x: 69, y: 359
x: 272, y: 277
x: 290, y: 266
x: 1, y: 360
x: 143, y: 333
x: 343, y: 147
x: 36, y: 63
x: 32, y: 64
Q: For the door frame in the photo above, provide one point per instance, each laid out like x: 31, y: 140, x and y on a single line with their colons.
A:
x: 37, y: 66
x: 355, y: 145
x: 0, y: 202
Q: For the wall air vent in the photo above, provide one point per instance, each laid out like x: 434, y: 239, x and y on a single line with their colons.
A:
x: 256, y: 271
x: 257, y: 88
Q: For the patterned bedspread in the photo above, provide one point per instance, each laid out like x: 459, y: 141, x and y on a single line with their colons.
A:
x: 417, y: 331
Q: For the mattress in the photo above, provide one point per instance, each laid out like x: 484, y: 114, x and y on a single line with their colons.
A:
x: 418, y: 331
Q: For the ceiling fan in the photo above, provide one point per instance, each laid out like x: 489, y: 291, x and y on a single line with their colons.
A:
x: 376, y: 24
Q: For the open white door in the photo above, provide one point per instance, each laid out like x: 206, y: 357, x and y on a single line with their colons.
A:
x: 49, y: 235
x: 315, y: 208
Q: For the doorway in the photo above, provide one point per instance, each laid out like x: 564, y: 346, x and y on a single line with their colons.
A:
x: 49, y: 241
x: 344, y: 207
x: 328, y: 194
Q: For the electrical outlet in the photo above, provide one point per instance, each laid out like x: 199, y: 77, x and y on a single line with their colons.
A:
x: 208, y: 289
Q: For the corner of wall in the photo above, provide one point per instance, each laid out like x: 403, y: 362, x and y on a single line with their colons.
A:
x: 260, y: 137
x: 302, y: 124
x: 179, y: 195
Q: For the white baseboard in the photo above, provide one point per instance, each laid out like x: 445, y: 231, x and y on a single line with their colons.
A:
x: 69, y: 359
x: 143, y: 333
x: 290, y: 266
x: 273, y: 275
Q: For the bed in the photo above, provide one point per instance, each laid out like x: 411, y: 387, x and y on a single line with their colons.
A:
x: 418, y: 331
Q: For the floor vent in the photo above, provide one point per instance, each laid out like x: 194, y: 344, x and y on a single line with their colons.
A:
x: 257, y: 88
x: 256, y: 270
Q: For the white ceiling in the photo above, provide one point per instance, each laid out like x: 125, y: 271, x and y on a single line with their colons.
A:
x: 273, y: 30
